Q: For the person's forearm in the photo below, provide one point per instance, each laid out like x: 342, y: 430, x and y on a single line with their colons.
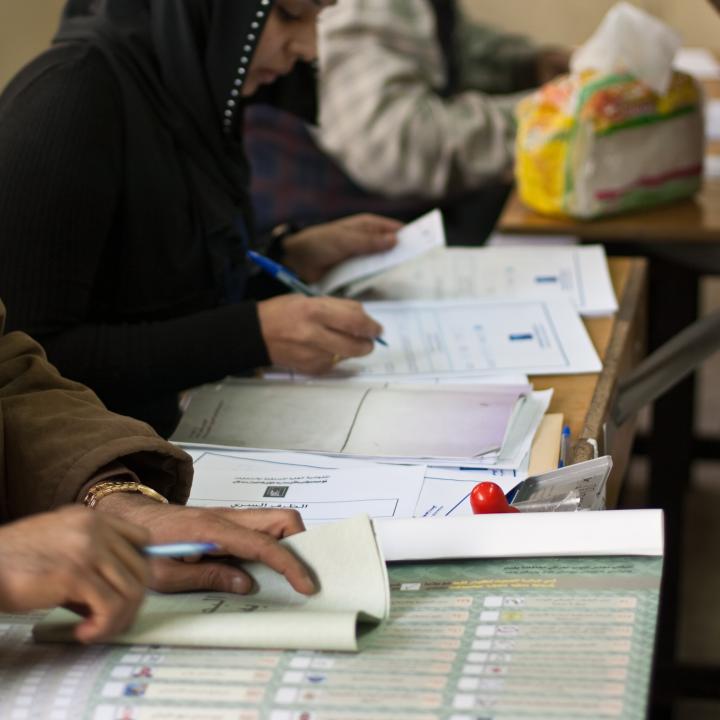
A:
x: 156, y: 357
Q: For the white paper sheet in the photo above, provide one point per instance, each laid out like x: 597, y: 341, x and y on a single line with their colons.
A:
x: 578, y: 272
x: 475, y: 337
x: 379, y: 491
x: 698, y: 62
x: 522, y: 430
x: 414, y: 239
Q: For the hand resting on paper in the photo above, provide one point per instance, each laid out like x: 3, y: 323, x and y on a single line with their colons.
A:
x: 310, y: 334
x: 83, y: 560
x: 312, y: 252
x: 250, y: 535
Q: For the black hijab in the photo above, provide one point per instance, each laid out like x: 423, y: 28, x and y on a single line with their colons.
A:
x: 180, y: 66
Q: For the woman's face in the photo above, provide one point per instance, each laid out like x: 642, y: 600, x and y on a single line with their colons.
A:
x: 289, y: 35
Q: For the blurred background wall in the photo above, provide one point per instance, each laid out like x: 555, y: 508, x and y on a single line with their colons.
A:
x: 569, y: 22
x: 26, y: 26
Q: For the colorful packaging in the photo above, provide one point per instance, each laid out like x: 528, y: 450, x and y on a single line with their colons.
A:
x: 594, y: 144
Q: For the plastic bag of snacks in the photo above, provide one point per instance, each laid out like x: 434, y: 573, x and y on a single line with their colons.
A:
x: 599, y: 142
x: 594, y: 145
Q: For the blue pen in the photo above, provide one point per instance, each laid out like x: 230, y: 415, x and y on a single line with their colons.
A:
x: 179, y: 550
x: 564, y: 446
x: 287, y: 278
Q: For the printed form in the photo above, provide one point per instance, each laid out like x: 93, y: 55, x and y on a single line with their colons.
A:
x: 475, y: 337
x: 325, y: 488
x: 579, y: 273
x: 320, y: 494
x: 560, y: 637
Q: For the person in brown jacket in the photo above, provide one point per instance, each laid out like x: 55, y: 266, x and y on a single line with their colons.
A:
x: 58, y: 446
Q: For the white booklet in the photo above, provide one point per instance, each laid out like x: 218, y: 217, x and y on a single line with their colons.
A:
x: 414, y: 240
x: 453, y: 423
x: 510, y: 535
x: 343, y: 557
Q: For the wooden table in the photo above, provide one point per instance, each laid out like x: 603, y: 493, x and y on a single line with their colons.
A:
x: 681, y: 242
x: 586, y: 400
x: 694, y: 221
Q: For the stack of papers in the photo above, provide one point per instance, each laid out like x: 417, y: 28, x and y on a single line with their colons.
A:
x: 443, y: 425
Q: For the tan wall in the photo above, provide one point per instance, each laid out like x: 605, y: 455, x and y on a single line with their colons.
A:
x: 569, y: 22
x: 26, y: 27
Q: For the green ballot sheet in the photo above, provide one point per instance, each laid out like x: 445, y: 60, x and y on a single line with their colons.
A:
x: 472, y: 640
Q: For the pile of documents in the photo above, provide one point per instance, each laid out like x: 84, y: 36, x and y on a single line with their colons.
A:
x: 440, y: 425
x: 410, y: 429
x: 332, y: 450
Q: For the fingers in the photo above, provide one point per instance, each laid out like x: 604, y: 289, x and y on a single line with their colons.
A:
x: 114, y: 577
x: 176, y: 576
x: 252, y: 545
x: 109, y: 612
x: 308, y: 334
x: 129, y: 558
x: 278, y: 523
x: 376, y: 223
x: 243, y: 543
x: 247, y: 535
x: 347, y: 317
x: 367, y: 237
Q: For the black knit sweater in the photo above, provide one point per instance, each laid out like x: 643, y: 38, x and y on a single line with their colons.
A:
x: 67, y: 261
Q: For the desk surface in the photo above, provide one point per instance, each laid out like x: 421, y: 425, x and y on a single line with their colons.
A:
x: 585, y: 400
x: 696, y: 220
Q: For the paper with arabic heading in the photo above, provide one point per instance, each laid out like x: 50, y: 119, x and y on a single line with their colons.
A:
x: 323, y: 488
x: 577, y: 272
x: 350, y: 571
x: 318, y: 494
x: 457, y: 424
x: 450, y: 338
x: 413, y: 240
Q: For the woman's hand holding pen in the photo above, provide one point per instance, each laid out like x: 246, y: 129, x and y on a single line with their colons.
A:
x: 250, y: 535
x: 310, y: 253
x: 87, y: 561
x: 309, y: 334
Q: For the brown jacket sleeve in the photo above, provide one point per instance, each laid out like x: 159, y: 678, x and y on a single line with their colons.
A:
x: 55, y: 435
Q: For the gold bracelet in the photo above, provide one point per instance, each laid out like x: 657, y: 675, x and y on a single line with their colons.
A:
x: 107, y: 487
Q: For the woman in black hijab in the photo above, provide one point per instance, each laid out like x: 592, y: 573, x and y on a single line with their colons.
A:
x: 124, y: 209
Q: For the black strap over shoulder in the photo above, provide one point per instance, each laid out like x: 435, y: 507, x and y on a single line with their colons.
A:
x: 445, y: 18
